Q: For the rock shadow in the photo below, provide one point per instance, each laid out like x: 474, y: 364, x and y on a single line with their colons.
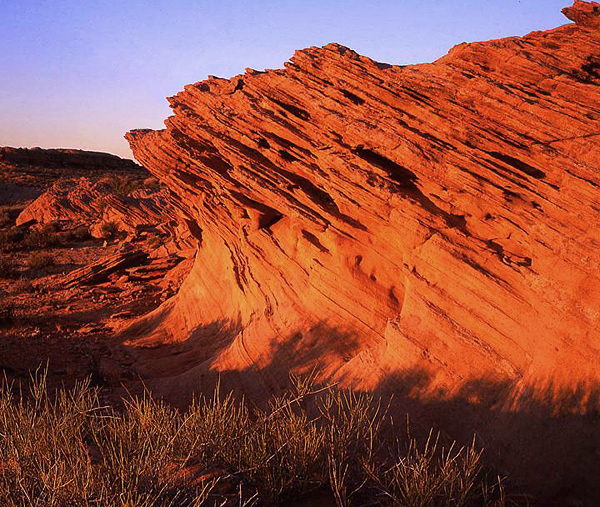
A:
x: 545, y: 438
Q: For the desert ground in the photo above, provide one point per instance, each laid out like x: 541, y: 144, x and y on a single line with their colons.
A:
x: 343, y: 282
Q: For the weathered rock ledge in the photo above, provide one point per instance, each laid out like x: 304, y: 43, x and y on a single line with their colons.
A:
x: 434, y: 223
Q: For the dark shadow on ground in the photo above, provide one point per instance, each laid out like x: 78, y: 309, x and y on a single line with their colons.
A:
x: 545, y: 438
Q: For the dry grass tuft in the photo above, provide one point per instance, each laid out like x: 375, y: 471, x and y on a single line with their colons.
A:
x: 69, y: 449
x: 16, y: 239
x: 46, y: 236
x: 7, y: 313
x: 11, y: 240
x: 5, y: 218
x: 40, y: 260
x: 8, y: 267
x: 79, y: 233
x: 110, y: 230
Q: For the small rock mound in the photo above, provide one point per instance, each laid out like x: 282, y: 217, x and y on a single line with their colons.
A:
x: 94, y: 204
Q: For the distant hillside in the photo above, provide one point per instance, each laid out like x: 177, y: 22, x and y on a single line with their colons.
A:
x: 65, y: 159
x: 26, y: 172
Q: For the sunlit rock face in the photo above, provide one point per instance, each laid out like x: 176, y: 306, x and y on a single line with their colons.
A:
x: 429, y: 230
x: 370, y: 220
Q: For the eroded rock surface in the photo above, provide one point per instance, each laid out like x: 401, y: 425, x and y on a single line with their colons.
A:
x: 585, y: 14
x: 433, y: 228
x: 95, y: 204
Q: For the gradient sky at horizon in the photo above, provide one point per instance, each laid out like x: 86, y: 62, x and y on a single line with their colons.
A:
x: 79, y: 73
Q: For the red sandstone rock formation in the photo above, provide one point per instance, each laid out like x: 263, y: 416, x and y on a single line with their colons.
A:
x: 93, y: 204
x: 435, y: 221
x: 443, y: 214
x: 585, y: 14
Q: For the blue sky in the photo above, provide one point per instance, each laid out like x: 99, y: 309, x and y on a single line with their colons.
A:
x: 80, y: 73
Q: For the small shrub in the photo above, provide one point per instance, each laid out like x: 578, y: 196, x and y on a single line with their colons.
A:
x: 11, y: 240
x: 7, y: 267
x: 23, y: 286
x: 45, y: 237
x: 109, y: 230
x: 80, y: 233
x: 122, y: 186
x: 155, y: 241
x: 7, y: 313
x: 151, y: 183
x: 101, y: 205
x: 40, y: 260
x: 5, y: 219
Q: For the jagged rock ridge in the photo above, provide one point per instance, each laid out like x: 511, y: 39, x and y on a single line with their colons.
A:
x: 374, y: 220
x: 440, y: 214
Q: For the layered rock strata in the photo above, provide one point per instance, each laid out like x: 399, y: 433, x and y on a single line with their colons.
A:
x: 94, y: 203
x: 26, y: 172
x: 368, y: 218
x: 430, y: 228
